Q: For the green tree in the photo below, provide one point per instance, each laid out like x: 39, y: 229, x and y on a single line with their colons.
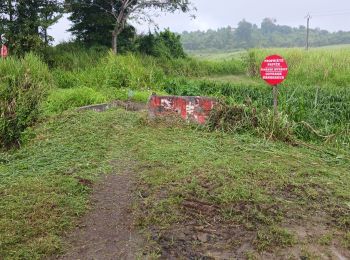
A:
x: 51, y: 12
x: 244, y: 34
x: 25, y: 22
x: 91, y: 26
x: 121, y: 11
x: 268, y: 26
x: 164, y: 44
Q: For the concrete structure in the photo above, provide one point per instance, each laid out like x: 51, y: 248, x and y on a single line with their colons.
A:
x: 196, y: 109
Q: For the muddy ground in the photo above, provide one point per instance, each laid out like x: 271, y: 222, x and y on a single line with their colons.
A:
x: 107, y: 230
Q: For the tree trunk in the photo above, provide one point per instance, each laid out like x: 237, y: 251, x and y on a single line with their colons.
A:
x: 10, y: 10
x: 45, y: 37
x: 115, y: 42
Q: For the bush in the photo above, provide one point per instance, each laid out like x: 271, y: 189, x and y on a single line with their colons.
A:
x: 276, y: 128
x: 23, y: 86
x: 162, y: 45
x: 63, y: 99
x: 72, y: 56
x: 244, y: 118
x: 232, y: 118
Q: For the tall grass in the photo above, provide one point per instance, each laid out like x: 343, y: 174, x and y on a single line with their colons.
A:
x: 315, y: 95
x: 64, y: 99
x: 72, y: 56
x: 24, y: 84
x: 318, y: 67
x: 139, y: 71
x: 320, y: 112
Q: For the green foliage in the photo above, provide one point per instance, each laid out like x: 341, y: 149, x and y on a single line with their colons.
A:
x: 232, y: 118
x: 164, y: 44
x: 245, y: 179
x: 134, y: 72
x: 23, y: 86
x: 64, y: 99
x: 245, y: 118
x: 324, y: 108
x: 195, y: 68
x: 275, y: 127
x: 26, y: 23
x: 269, y: 238
x: 92, y: 25
x: 316, y: 67
x: 73, y: 56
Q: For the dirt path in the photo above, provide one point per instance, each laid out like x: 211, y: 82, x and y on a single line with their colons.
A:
x: 106, y: 231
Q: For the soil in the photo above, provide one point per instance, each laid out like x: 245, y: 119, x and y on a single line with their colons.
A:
x: 107, y: 232
x: 202, y: 236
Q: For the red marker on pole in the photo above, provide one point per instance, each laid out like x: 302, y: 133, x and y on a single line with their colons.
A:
x: 274, y: 70
x: 4, y: 51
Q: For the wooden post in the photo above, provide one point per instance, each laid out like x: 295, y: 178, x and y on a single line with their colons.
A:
x: 275, y: 99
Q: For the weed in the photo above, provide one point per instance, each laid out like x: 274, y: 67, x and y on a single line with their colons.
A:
x: 346, y: 240
x: 326, y: 240
x: 24, y: 84
x: 64, y: 99
x: 274, y: 236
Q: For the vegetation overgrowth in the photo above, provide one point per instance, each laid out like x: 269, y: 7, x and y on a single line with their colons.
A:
x: 24, y: 84
x: 248, y: 184
x: 316, y: 67
x: 314, y: 97
x: 68, y: 150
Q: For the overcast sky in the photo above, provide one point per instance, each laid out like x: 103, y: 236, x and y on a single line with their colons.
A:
x: 331, y: 15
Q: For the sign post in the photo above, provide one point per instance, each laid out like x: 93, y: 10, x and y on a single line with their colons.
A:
x: 274, y: 70
x: 275, y: 99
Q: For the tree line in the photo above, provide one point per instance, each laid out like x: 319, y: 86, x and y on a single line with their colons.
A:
x: 269, y: 34
x: 94, y: 22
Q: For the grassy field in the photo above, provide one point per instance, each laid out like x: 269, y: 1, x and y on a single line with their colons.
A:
x: 271, y: 192
x: 222, y: 192
x: 314, y: 96
x: 217, y: 56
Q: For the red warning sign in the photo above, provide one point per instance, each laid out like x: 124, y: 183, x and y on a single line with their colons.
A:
x: 274, y: 70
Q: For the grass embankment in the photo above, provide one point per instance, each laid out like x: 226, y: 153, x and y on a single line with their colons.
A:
x: 127, y: 77
x: 315, y: 95
x: 241, y: 190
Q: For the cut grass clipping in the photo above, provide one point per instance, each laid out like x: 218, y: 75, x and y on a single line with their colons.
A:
x: 245, y: 118
x: 251, y: 183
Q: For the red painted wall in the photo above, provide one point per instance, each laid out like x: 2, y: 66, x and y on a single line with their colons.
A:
x: 195, y: 109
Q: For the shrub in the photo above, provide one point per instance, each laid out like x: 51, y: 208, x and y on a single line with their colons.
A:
x: 244, y: 118
x: 232, y: 118
x: 63, y: 99
x: 23, y: 86
x: 275, y: 127
x: 164, y: 44
x: 65, y: 79
x: 72, y: 56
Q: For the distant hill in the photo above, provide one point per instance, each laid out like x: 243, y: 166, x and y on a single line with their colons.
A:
x: 268, y: 34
